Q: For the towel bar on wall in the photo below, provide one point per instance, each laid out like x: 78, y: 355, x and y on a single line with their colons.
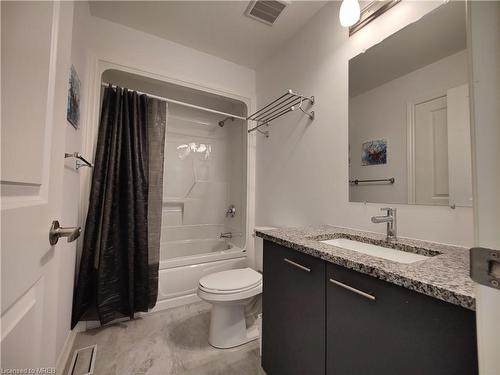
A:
x: 357, y: 182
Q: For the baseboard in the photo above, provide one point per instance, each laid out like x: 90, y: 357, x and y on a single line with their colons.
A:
x: 63, y: 357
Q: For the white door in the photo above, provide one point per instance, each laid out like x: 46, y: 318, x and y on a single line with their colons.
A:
x: 35, y: 66
x: 431, y: 152
x: 484, y: 35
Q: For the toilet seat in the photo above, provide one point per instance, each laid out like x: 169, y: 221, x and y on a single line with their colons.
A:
x: 225, y: 292
x: 231, y: 282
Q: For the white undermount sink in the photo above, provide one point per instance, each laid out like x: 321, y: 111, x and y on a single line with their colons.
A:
x: 376, y: 251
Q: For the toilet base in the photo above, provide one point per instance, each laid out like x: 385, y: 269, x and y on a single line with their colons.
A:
x: 228, y: 326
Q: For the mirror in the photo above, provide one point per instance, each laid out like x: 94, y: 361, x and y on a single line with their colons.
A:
x: 409, y: 130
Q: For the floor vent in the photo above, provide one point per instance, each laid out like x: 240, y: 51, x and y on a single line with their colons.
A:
x: 83, y: 361
x: 266, y: 11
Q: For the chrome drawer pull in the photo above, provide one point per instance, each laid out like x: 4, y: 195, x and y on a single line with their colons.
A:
x: 357, y: 291
x: 297, y: 265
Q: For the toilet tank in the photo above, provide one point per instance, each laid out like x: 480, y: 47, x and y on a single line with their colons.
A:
x: 259, y: 248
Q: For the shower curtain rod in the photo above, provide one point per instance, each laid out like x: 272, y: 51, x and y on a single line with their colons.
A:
x: 104, y: 84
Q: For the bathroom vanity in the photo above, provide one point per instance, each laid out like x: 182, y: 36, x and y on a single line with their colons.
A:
x: 333, y: 310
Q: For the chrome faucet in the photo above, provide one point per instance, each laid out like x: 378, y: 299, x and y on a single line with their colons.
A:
x: 390, y: 219
x: 226, y: 235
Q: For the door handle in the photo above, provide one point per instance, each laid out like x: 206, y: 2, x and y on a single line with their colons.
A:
x: 357, y: 291
x: 56, y: 232
x: 297, y: 265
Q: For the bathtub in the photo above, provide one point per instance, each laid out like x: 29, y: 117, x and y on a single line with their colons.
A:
x: 186, y: 252
x: 188, y: 255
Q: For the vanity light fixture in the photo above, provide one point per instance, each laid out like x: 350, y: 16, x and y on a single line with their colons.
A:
x: 350, y: 12
x: 370, y: 11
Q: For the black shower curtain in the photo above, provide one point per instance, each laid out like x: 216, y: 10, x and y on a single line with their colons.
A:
x: 118, y: 273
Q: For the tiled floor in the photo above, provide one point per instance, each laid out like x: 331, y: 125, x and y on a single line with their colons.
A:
x: 168, y: 342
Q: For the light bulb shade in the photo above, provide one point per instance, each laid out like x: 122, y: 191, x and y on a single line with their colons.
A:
x: 349, y: 12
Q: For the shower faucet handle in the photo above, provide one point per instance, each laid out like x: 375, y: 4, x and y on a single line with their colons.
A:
x: 231, y: 211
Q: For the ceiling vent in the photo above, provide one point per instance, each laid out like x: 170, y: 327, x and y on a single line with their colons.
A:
x: 266, y: 11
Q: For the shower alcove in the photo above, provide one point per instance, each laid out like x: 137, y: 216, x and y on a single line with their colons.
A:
x: 205, y: 172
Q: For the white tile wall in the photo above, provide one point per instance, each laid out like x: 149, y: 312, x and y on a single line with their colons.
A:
x: 200, y: 185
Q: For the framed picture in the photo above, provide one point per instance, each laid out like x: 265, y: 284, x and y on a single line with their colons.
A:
x: 73, y: 110
x: 374, y: 152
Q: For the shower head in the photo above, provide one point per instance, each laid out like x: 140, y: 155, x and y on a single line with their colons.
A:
x: 223, y: 122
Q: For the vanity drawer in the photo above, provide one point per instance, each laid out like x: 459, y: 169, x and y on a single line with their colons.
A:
x: 377, y: 327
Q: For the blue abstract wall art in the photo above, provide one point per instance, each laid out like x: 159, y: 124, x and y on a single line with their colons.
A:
x: 73, y: 110
x: 374, y: 152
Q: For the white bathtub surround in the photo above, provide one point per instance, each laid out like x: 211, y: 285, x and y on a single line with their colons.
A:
x: 204, y: 169
x: 230, y: 292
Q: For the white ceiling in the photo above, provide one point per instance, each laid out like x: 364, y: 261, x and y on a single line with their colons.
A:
x: 219, y: 28
x: 438, y: 34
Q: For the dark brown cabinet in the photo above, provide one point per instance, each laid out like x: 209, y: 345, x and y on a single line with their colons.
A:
x: 320, y: 318
x: 293, y: 306
x: 375, y: 327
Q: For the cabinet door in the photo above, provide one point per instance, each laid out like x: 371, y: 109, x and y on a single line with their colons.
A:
x: 397, y: 332
x: 293, y: 325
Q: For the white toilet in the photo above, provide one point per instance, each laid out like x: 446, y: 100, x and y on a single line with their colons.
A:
x: 229, y: 292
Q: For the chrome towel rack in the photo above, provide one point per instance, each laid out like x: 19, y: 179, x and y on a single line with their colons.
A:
x: 80, y: 160
x: 390, y: 180
x: 288, y: 102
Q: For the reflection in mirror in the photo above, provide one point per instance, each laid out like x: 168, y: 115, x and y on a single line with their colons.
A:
x: 409, y: 132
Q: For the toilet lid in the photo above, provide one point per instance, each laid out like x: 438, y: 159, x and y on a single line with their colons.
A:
x: 231, y: 280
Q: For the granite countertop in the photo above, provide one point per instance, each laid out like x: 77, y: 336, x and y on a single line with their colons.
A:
x: 444, y: 275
